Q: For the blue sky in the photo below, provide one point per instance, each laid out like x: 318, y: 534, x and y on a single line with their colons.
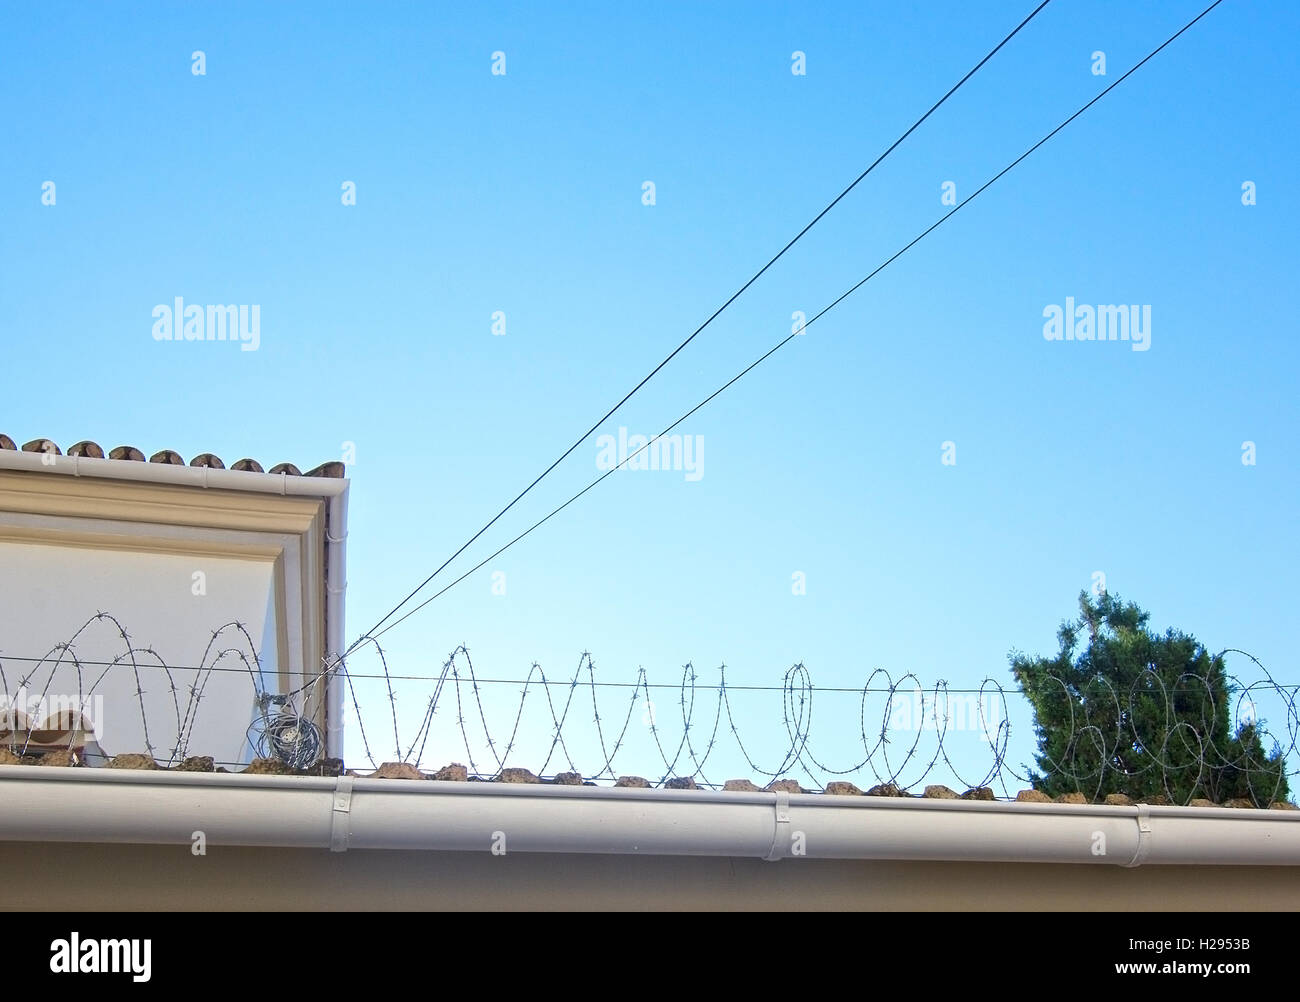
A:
x: 522, y: 193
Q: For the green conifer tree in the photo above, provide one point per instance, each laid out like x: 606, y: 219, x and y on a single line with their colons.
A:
x: 1141, y: 714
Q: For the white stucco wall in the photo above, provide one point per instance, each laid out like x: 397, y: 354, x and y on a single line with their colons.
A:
x: 47, y: 593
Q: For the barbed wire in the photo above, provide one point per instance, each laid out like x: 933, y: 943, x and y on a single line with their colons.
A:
x: 265, y: 733
x: 907, y: 731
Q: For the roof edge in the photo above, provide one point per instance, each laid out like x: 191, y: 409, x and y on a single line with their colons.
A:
x: 282, y: 482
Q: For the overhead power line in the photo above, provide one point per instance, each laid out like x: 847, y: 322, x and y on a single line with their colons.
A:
x: 718, y: 312
x: 790, y: 337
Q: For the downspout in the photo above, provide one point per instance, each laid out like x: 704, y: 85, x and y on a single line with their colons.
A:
x: 336, y: 583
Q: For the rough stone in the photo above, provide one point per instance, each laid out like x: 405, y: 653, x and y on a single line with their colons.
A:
x: 568, y: 779
x: 1118, y: 800
x: 1072, y: 798
x: 64, y: 757
x: 740, y: 786
x: 326, y: 767
x: 635, y: 782
x: 454, y: 773
x: 132, y: 760
x: 396, y: 770
x: 978, y: 793
x: 784, y: 786
x: 839, y: 788
x: 517, y: 776
x: 937, y: 791
x: 267, y: 767
x: 1201, y: 802
x: 197, y: 763
x: 681, y: 783
x: 9, y: 758
x: 1283, y: 805
x: 1240, y: 802
x: 886, y: 790
x: 1157, y: 800
x: 1033, y: 797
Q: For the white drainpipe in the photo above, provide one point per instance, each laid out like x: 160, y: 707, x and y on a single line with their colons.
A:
x: 100, y: 805
x: 336, y: 586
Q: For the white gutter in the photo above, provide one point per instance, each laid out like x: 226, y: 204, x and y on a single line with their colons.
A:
x: 44, y: 804
x: 333, y: 489
x: 165, y: 473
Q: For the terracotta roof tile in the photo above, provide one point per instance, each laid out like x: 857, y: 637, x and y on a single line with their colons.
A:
x: 130, y: 454
x: 88, y: 449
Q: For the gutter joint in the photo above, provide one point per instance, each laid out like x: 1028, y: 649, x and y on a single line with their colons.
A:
x: 1144, y: 836
x: 340, y: 830
x: 781, y: 816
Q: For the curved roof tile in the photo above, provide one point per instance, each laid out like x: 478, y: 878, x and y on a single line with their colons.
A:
x: 130, y: 454
x: 88, y: 449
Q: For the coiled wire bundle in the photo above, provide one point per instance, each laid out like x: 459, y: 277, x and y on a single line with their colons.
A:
x: 284, y: 734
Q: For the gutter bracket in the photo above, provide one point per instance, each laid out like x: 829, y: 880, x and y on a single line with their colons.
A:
x: 781, y: 817
x: 340, y: 830
x: 1144, y: 836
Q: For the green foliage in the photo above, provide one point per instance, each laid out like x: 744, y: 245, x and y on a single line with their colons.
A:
x: 1142, y: 714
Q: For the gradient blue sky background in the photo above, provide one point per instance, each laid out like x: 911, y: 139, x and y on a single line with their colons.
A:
x: 522, y: 193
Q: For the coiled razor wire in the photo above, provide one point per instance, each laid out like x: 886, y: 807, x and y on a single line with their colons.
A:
x: 285, y: 724
x: 284, y: 734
